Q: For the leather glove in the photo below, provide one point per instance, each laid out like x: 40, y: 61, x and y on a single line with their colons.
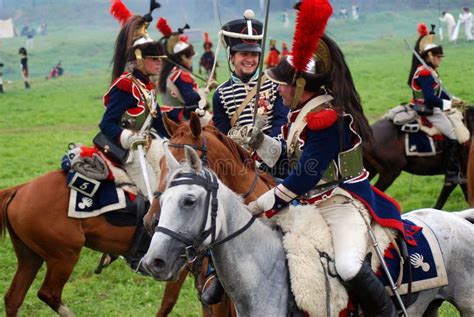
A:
x: 256, y: 136
x: 130, y: 139
x: 213, y: 84
x: 268, y: 203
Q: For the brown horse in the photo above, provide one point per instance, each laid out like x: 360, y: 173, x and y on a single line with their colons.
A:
x: 387, y: 158
x: 232, y: 164
x: 35, y: 214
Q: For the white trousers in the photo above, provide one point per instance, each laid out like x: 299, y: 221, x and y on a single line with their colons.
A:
x: 468, y: 30
x: 442, y: 123
x: 349, y: 233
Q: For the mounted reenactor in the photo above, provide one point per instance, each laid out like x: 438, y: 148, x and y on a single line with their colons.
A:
x: 432, y: 101
x: 131, y: 111
x: 177, y: 86
x: 125, y: 160
x: 233, y: 101
x: 207, y: 59
x: 323, y: 141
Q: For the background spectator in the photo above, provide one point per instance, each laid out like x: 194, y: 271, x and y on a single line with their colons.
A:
x: 466, y: 18
x: 448, y: 18
x: 24, y: 66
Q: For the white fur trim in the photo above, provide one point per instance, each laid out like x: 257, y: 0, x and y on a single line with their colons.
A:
x: 306, y: 232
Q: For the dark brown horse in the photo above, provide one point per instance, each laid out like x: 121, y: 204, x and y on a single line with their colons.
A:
x: 232, y: 164
x: 470, y: 176
x: 388, y: 159
x: 35, y: 214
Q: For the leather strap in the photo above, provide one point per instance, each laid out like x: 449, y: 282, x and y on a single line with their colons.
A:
x: 300, y: 122
x: 246, y: 101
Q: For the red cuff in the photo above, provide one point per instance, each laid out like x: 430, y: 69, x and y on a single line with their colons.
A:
x: 270, y: 213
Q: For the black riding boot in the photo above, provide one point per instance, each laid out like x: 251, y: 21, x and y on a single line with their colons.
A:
x: 141, y: 242
x: 371, y: 294
x: 213, y: 294
x: 452, y: 163
x: 27, y: 85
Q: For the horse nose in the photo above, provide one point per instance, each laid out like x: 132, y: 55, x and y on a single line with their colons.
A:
x: 159, y: 264
x: 155, y: 266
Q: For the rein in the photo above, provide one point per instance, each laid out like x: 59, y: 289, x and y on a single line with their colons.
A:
x: 202, y: 148
x: 194, y: 248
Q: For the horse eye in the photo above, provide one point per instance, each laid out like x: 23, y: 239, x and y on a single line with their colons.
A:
x: 189, y: 201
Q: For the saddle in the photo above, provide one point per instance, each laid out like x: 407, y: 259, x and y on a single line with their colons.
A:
x: 411, y: 121
x: 97, y: 185
x: 317, y: 288
x: 421, y: 137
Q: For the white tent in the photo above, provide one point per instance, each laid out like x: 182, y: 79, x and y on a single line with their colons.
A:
x: 7, y: 30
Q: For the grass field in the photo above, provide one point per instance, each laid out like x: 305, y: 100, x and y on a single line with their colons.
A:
x: 36, y: 126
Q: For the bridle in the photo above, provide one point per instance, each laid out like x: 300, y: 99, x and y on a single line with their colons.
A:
x: 194, y: 247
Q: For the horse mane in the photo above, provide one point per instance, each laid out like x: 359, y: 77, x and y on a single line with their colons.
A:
x: 238, y: 152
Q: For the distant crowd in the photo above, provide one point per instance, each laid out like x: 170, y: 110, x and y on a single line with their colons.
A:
x: 464, y: 19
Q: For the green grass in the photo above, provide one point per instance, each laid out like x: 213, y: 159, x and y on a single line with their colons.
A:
x: 36, y: 126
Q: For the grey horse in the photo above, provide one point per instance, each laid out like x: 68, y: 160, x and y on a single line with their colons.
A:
x: 251, y: 263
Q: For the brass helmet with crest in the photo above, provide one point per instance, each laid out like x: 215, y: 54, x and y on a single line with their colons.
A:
x: 174, y: 43
x: 309, y: 65
x: 133, y: 42
x: 426, y: 48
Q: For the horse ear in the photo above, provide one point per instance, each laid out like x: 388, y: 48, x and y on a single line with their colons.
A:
x: 193, y: 158
x: 195, y: 125
x: 171, y: 161
x: 170, y: 125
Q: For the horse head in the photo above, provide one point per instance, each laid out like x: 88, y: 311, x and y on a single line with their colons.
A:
x: 189, y: 216
x: 233, y: 164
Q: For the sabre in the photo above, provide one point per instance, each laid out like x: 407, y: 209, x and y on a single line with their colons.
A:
x: 260, y: 66
x: 375, y: 244
x: 422, y: 61
x: 141, y: 155
x: 185, y: 69
x: 387, y: 273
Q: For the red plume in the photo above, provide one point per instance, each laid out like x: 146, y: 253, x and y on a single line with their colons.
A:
x: 119, y: 11
x: 422, y: 29
x: 311, y: 22
x: 206, y: 37
x: 163, y: 26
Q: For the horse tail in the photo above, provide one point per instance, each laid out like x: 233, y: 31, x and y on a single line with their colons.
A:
x: 467, y: 214
x: 6, y: 196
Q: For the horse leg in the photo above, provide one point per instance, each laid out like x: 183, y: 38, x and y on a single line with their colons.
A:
x: 57, y: 274
x: 465, y: 192
x: 171, y: 294
x: 28, y: 265
x: 444, y: 195
x: 386, y: 178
